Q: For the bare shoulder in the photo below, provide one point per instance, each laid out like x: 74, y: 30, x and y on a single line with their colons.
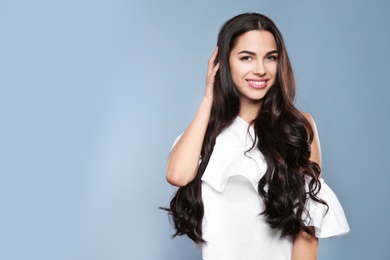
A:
x: 309, y: 118
x: 312, y: 123
x: 315, y: 144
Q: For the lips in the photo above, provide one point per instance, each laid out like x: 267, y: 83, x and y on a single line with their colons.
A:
x: 258, y: 84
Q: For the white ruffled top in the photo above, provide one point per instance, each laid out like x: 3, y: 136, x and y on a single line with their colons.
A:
x: 232, y: 225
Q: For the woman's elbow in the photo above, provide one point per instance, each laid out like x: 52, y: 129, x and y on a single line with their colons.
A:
x: 175, y: 178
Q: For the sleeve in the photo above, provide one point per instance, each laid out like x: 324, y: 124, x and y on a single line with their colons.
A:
x: 327, y: 222
x: 176, y: 140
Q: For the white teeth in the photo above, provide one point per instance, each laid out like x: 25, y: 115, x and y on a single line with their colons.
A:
x: 257, y: 83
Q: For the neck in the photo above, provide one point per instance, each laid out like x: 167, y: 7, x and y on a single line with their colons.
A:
x: 249, y: 111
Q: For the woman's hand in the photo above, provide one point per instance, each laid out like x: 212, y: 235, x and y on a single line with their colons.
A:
x: 210, y: 78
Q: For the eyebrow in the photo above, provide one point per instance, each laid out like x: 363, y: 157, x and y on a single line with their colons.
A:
x: 254, y: 54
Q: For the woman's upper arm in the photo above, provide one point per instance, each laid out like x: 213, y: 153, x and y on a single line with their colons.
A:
x: 305, y: 247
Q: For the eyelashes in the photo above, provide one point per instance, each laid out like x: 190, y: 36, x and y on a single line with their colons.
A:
x: 268, y: 58
x: 246, y: 58
x: 272, y: 57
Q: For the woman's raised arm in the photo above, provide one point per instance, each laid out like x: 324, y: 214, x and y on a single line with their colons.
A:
x: 183, y: 161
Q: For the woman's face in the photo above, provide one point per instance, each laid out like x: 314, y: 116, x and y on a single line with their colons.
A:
x: 253, y: 65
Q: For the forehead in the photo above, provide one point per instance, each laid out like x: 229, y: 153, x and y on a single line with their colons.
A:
x: 256, y: 40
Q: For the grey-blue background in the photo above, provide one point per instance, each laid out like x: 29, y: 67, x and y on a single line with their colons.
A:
x: 93, y: 93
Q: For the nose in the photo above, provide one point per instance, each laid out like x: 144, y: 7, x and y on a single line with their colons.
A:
x: 259, y: 69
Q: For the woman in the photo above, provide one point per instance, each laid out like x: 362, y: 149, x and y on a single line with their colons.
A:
x: 249, y: 164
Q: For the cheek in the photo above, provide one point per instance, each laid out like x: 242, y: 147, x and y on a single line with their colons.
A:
x: 237, y: 70
x: 234, y: 72
x: 273, y: 69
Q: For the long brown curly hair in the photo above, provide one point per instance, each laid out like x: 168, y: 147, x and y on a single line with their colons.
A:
x: 283, y: 135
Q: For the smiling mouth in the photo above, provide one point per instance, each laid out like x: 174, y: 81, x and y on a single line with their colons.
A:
x: 258, y: 83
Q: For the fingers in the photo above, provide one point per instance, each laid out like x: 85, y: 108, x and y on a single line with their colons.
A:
x: 214, y: 70
x: 211, y: 72
x: 211, y: 77
x: 211, y: 67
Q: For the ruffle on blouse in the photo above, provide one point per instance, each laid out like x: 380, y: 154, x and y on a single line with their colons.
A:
x: 233, y: 156
x: 327, y: 222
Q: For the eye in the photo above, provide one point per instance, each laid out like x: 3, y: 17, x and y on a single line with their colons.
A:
x: 272, y: 58
x: 246, y: 58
